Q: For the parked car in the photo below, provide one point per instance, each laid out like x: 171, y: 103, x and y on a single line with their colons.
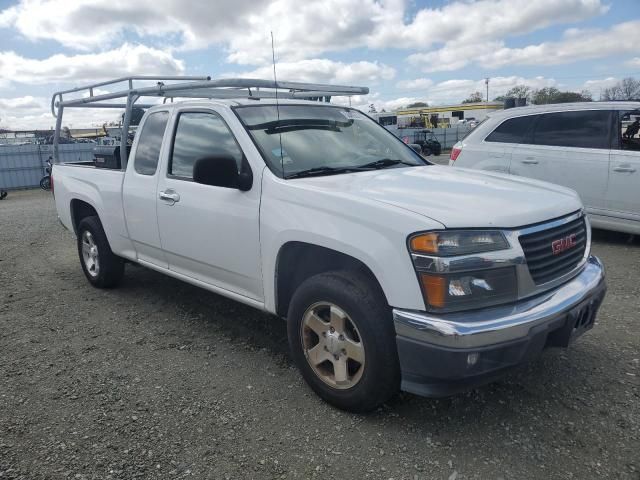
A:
x: 593, y: 148
x: 391, y: 272
x: 428, y: 142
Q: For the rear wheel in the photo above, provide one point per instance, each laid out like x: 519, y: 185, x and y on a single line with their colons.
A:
x: 342, y: 339
x: 102, y: 268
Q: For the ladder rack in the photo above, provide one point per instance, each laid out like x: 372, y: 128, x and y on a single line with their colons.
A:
x: 185, y: 87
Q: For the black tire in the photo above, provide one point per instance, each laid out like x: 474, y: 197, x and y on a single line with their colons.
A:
x: 426, y: 151
x: 111, y: 267
x: 45, y: 183
x: 363, y: 301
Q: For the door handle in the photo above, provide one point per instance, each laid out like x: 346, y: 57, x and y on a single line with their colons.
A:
x: 530, y: 161
x: 624, y: 168
x: 169, y: 196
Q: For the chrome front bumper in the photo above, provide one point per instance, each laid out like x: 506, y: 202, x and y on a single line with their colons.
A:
x: 491, y: 326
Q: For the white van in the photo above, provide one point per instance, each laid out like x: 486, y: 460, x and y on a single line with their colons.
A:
x: 591, y: 147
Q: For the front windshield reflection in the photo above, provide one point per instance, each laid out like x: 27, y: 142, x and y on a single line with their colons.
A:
x: 322, y: 139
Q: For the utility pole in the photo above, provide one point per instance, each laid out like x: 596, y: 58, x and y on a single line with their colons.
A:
x: 486, y: 82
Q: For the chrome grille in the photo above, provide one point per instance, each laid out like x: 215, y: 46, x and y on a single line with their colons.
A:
x: 544, y: 265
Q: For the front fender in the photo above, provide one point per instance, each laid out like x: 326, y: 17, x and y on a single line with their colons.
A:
x: 372, y: 232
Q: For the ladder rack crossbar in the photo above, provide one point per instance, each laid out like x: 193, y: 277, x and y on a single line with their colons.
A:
x: 185, y: 87
x: 203, y: 87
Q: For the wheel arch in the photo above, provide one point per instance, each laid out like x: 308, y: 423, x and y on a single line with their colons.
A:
x: 81, y: 209
x: 296, y: 261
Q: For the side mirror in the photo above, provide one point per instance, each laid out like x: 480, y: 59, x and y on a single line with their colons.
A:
x: 415, y: 147
x: 221, y: 171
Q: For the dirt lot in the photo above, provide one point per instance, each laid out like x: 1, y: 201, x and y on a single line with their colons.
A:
x: 159, y: 379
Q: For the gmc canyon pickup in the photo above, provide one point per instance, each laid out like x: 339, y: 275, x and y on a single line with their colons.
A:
x: 392, y: 273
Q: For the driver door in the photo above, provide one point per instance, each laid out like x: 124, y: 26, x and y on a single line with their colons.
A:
x: 208, y: 233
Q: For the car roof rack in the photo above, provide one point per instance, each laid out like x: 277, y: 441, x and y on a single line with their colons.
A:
x: 198, y: 87
x: 203, y: 87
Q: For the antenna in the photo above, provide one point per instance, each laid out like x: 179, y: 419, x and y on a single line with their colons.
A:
x: 275, y: 80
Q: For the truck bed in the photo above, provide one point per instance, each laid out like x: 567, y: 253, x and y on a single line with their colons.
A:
x: 102, y: 188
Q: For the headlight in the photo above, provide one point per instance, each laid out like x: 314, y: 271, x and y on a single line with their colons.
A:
x: 446, y: 289
x: 457, y: 242
x: 468, y: 290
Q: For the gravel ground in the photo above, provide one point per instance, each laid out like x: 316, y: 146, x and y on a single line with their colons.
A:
x: 159, y: 379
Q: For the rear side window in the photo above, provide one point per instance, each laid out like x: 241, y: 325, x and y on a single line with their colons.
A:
x: 512, y: 130
x: 149, y: 143
x: 201, y: 135
x: 584, y: 129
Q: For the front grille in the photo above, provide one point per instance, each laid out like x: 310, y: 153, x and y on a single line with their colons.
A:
x: 544, y: 265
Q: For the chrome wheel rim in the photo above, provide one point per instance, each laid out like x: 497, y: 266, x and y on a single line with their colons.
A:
x: 90, y: 254
x: 332, y: 345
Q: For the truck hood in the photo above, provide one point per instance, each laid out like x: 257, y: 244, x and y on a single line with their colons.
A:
x: 457, y: 198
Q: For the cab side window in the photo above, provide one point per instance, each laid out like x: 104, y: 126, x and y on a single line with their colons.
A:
x: 149, y: 143
x: 582, y: 128
x: 628, y: 130
x: 199, y: 135
x: 513, y: 130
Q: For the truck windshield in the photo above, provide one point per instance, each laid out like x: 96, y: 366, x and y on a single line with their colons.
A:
x: 309, y: 140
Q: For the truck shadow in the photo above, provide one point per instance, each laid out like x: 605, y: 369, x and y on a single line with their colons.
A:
x: 556, y: 380
x: 212, y: 313
x: 614, y: 238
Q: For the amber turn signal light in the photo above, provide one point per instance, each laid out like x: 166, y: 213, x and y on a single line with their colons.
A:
x: 425, y: 243
x: 435, y: 289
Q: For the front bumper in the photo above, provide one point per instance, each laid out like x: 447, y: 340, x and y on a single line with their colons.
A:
x: 443, y: 354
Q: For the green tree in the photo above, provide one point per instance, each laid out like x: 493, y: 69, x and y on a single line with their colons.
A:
x: 518, y: 91
x: 553, y: 95
x: 475, y: 97
x: 627, y: 89
x: 417, y: 105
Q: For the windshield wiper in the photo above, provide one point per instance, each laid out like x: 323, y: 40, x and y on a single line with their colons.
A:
x: 378, y: 164
x: 316, y: 171
x: 384, y: 163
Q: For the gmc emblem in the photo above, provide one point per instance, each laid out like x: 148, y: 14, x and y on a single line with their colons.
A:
x: 562, y: 244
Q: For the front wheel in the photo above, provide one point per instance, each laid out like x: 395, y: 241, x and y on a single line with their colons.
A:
x: 102, y: 268
x: 342, y: 339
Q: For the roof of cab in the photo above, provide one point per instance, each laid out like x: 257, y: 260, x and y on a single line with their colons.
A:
x: 563, y: 107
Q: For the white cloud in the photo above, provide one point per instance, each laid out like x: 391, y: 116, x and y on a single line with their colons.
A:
x: 447, y: 92
x: 123, y: 61
x: 597, y: 86
x: 326, y: 71
x: 302, y: 30
x: 91, y: 24
x: 456, y: 90
x: 416, y: 83
x: 26, y: 103
x: 576, y: 45
x: 634, y: 62
x: 30, y: 113
x: 471, y: 22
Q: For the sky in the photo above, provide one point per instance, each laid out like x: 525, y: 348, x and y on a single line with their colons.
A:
x: 403, y: 50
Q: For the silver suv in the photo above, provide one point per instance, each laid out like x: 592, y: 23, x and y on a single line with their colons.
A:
x: 591, y: 147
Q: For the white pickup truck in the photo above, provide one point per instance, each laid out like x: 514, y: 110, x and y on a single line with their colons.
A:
x: 391, y: 272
